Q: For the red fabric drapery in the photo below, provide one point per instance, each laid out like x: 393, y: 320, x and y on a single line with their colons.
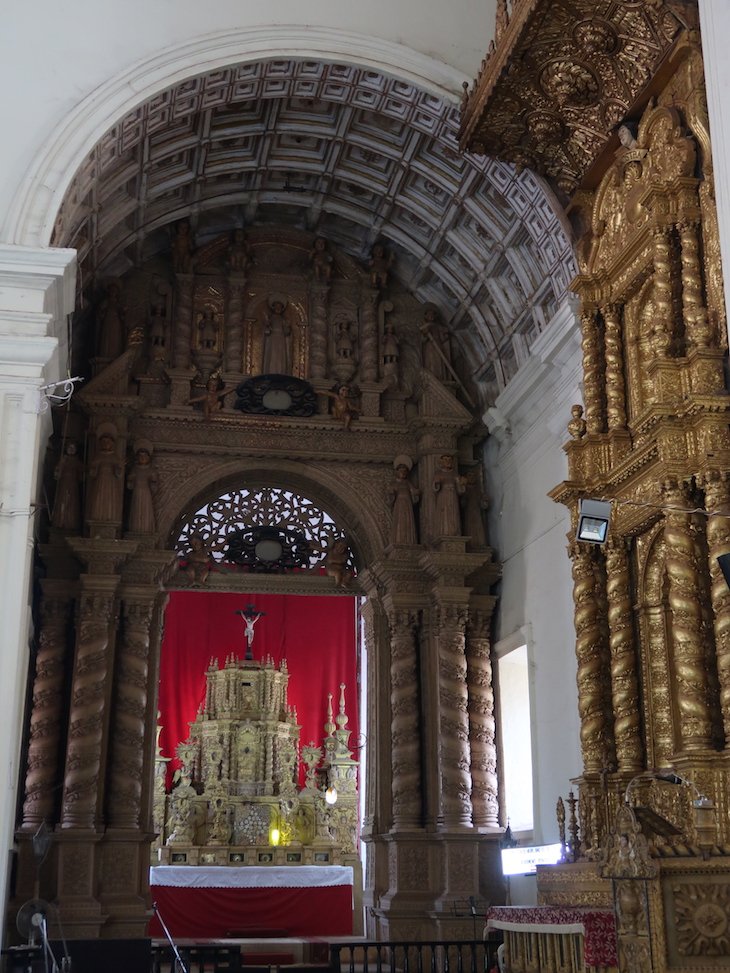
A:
x: 315, y: 634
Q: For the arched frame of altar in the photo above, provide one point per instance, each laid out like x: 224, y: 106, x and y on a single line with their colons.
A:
x: 366, y: 421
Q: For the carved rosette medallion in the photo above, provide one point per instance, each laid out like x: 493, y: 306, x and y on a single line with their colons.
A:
x: 702, y: 912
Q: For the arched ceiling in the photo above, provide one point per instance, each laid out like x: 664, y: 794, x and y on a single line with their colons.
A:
x: 344, y: 152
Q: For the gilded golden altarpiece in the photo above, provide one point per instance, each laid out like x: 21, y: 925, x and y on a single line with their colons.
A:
x: 367, y: 422
x: 607, y: 101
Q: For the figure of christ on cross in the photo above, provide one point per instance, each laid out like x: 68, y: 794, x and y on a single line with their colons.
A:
x: 250, y: 616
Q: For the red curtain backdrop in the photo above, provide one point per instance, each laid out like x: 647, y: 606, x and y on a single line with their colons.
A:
x: 316, y: 635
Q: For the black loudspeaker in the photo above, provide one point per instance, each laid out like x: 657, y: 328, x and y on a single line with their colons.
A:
x: 107, y: 955
x: 724, y: 562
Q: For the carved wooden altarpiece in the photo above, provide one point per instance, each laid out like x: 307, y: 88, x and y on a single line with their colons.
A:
x: 159, y: 435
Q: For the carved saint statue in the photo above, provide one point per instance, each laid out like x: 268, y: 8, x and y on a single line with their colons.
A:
x: 436, y: 346
x: 448, y: 487
x: 343, y: 340
x: 142, y: 481
x: 182, y: 249
x: 111, y: 323
x: 277, y: 341
x: 403, y: 495
x: 105, y: 472
x: 69, y: 475
x: 474, y: 504
x: 239, y: 258
x: 321, y: 260
x: 380, y: 263
x: 208, y: 329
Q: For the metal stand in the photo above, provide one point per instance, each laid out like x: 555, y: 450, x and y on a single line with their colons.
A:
x: 178, y: 958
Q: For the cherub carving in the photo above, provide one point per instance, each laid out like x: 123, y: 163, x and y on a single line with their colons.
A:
x: 344, y: 404
x: 213, y: 397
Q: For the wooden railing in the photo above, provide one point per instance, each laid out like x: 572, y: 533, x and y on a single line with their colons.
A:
x: 471, y: 956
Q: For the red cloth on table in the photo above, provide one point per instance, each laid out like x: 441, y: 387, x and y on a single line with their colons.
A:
x: 212, y: 913
x: 600, y: 943
x: 315, y: 634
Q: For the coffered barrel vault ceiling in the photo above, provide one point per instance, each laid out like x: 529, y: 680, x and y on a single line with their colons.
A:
x: 344, y: 152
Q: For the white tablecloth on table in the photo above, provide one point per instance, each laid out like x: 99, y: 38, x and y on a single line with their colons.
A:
x: 250, y: 876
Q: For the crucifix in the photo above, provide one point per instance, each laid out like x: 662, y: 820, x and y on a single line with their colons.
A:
x: 250, y: 616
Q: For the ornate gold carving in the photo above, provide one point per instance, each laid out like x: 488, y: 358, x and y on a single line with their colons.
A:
x: 701, y: 911
x: 587, y: 64
x: 624, y: 676
x: 695, y: 727
x: 592, y: 372
x: 717, y: 501
x: 588, y: 650
x: 615, y: 392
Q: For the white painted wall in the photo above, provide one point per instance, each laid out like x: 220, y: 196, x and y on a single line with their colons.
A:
x: 524, y: 459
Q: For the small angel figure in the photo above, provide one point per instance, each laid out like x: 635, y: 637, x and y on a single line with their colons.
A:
x: 321, y: 260
x: 198, y: 560
x: 344, y: 401
x: 335, y: 562
x: 379, y: 264
x: 213, y: 396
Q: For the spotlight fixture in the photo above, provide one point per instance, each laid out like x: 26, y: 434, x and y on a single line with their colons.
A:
x: 593, y: 520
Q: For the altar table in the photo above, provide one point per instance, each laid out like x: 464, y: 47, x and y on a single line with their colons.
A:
x: 216, y: 901
x: 557, y: 939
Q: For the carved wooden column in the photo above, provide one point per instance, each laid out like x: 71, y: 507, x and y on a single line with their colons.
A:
x: 183, y: 339
x: 44, y: 769
x: 369, y: 336
x: 128, y: 723
x: 624, y: 675
x: 717, y: 498
x: 615, y: 388
x: 694, y: 729
x: 693, y: 307
x: 588, y: 650
x: 592, y: 372
x: 318, y: 333
x: 663, y: 328
x: 405, y: 720
x: 454, y: 752
x: 482, y: 726
x: 82, y: 788
x: 233, y: 360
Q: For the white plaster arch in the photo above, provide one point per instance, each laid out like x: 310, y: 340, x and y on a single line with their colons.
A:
x: 30, y: 220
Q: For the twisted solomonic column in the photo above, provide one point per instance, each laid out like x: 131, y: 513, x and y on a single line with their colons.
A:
x: 130, y: 712
x: 233, y: 360
x: 697, y: 327
x: 405, y: 721
x: 482, y: 727
x: 319, y: 297
x: 454, y: 748
x: 615, y: 386
x: 687, y: 644
x: 592, y: 371
x: 183, y: 338
x: 663, y: 330
x: 624, y: 675
x: 589, y: 651
x: 81, y: 786
x: 46, y: 715
x: 369, y: 337
x: 717, y: 499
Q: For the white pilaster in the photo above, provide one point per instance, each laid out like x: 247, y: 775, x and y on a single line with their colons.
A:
x: 36, y: 295
x: 715, y: 28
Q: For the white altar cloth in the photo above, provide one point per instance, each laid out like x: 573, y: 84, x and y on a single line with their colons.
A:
x: 250, y: 876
